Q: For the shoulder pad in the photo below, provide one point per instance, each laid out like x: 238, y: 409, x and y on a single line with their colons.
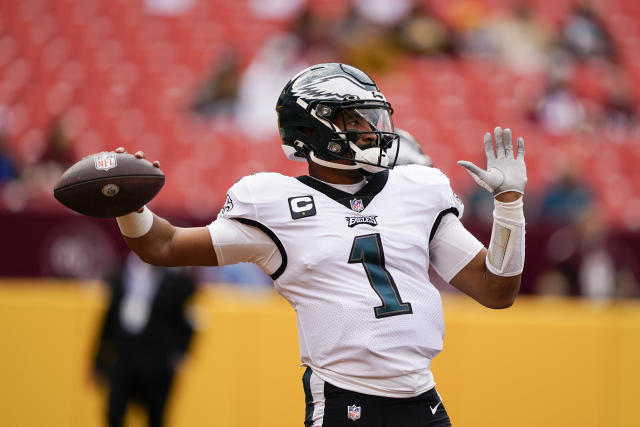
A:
x: 423, y: 174
x: 250, y: 190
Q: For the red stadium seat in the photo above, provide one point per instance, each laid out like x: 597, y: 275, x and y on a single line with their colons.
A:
x: 125, y: 76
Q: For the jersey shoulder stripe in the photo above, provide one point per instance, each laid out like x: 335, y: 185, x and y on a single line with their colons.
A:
x: 276, y: 240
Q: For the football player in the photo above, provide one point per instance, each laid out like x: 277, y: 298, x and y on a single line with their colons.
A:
x: 349, y: 244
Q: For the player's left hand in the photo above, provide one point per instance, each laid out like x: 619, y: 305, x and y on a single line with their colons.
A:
x: 504, y: 171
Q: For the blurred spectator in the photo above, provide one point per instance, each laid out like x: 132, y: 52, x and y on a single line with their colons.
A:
x: 619, y: 120
x: 587, y: 260
x: 275, y: 9
x: 515, y: 38
x: 58, y: 151
x: 8, y: 167
x: 260, y: 84
x: 567, y: 197
x: 467, y: 19
x: 559, y: 111
x: 248, y: 95
x: 57, y: 155
x: 383, y: 12
x: 144, y: 338
x: 316, y: 28
x: 585, y: 36
x: 520, y: 40
x: 218, y: 94
x: 309, y: 39
x: 421, y: 33
x: 553, y: 282
x: 597, y: 270
x: 367, y: 41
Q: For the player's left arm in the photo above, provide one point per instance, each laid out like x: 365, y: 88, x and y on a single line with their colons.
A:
x: 493, y: 276
x: 488, y: 289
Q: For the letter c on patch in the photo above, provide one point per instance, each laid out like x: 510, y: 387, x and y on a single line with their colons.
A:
x: 301, y: 207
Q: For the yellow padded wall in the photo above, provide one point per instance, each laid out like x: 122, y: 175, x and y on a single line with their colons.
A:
x: 548, y: 362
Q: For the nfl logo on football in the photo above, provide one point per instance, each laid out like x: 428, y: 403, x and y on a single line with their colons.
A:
x: 105, y: 161
x: 353, y: 412
x: 357, y: 205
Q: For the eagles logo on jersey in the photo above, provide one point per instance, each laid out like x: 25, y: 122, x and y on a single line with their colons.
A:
x: 228, y: 205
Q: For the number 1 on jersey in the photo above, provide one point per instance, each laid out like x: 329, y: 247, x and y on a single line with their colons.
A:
x: 368, y: 251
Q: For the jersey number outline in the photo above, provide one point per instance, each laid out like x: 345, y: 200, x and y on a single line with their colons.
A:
x: 368, y: 251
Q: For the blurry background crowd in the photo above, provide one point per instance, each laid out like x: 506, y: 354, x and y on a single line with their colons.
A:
x: 193, y: 83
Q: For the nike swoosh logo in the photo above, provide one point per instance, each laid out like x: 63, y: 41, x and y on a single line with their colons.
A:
x: 433, y: 410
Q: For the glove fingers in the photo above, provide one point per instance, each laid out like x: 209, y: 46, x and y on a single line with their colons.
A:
x: 520, y: 152
x: 488, y: 146
x: 472, y: 168
x: 478, y: 175
x: 508, y: 143
x: 497, y: 132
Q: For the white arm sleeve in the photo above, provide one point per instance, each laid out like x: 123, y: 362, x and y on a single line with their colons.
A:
x: 452, y: 247
x: 236, y: 242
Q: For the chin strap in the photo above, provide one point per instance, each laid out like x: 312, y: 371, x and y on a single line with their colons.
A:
x: 329, y: 164
x: 368, y: 155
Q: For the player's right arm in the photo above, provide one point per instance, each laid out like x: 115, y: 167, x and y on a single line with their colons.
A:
x: 167, y: 245
x: 225, y: 241
x: 156, y: 241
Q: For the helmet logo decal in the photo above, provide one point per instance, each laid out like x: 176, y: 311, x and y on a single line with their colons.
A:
x: 336, y: 87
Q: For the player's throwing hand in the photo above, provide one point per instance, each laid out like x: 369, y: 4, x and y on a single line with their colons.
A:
x: 504, y: 171
x: 138, y: 154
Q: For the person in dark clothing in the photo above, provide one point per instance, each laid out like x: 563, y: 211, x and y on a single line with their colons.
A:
x: 144, y: 337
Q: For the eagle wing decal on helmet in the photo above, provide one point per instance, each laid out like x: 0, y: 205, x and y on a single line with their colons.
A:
x: 336, y: 87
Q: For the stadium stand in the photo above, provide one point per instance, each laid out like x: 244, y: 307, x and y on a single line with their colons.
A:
x: 121, y: 75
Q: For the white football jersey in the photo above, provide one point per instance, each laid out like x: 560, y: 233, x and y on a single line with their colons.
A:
x: 355, y: 269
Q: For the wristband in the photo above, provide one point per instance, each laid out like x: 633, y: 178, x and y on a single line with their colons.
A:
x: 512, y: 211
x: 136, y: 224
x: 505, y: 256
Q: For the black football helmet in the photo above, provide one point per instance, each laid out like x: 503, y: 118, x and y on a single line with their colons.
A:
x: 325, y: 109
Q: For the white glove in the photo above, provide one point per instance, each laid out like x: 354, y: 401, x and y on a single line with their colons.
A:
x: 504, y: 172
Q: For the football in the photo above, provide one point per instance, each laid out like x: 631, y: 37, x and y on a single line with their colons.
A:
x: 108, y: 184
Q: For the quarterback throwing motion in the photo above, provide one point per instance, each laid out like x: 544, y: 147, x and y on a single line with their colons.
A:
x: 349, y: 246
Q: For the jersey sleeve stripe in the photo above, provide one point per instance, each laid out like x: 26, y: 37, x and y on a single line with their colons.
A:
x: 436, y: 224
x: 273, y: 237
